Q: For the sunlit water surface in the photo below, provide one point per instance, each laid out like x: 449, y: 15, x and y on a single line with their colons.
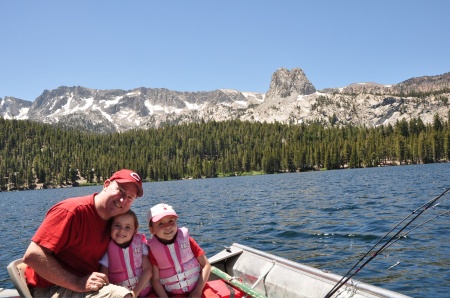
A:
x: 326, y: 219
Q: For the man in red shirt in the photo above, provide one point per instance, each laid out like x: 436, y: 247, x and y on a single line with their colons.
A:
x: 63, y: 255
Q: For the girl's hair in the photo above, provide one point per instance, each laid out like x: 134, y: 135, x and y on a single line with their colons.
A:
x: 135, y: 219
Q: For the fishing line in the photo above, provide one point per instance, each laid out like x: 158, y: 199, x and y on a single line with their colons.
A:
x: 424, y: 207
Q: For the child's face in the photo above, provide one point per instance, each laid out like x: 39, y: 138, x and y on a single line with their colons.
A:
x: 123, y: 228
x: 165, y: 228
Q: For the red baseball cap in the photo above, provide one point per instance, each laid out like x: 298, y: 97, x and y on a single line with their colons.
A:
x: 128, y: 176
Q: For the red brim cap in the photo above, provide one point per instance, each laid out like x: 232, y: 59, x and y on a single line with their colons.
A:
x: 128, y: 176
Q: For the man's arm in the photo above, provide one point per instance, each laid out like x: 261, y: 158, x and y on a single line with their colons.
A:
x: 47, y: 266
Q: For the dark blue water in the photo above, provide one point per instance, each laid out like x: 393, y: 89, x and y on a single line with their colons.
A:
x: 326, y: 219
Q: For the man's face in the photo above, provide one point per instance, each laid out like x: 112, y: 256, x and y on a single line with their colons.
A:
x: 120, y: 196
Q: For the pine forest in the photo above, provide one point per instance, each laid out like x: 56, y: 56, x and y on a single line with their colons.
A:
x: 35, y: 155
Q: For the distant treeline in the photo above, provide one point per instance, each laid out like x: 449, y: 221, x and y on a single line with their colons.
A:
x: 33, y: 153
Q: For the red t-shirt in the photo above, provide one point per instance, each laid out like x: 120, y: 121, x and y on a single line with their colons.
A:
x: 196, y: 249
x: 76, y: 234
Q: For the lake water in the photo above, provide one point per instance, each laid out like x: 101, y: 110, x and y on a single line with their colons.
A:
x: 326, y: 219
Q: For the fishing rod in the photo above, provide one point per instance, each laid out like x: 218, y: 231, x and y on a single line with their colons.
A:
x: 424, y: 207
x: 418, y: 226
x: 404, y: 235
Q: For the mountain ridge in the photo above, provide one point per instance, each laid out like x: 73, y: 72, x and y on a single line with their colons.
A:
x: 291, y: 99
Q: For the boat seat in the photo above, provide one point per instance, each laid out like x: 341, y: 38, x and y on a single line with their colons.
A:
x: 16, y: 270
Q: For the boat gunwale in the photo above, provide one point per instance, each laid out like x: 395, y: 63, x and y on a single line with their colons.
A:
x: 322, y: 275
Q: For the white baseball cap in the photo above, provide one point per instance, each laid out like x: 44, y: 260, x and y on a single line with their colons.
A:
x: 159, y: 211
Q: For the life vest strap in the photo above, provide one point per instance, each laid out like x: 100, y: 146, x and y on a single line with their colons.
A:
x: 180, y: 276
x: 182, y: 284
x: 129, y: 283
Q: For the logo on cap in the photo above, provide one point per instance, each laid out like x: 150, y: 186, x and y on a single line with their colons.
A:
x: 135, y: 176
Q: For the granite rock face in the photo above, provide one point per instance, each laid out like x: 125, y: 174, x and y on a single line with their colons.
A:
x: 285, y: 83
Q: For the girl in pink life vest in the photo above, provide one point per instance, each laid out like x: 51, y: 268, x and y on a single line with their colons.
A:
x: 126, y: 259
x: 180, y: 266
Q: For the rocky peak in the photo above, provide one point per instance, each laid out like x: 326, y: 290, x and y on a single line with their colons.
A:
x: 285, y: 83
x: 14, y: 108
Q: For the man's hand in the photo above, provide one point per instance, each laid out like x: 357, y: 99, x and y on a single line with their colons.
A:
x: 93, y: 282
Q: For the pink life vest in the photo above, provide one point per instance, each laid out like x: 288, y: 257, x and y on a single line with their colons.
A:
x: 125, y: 264
x: 178, y: 267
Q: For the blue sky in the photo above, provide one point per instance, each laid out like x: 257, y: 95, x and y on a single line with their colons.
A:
x: 209, y: 45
